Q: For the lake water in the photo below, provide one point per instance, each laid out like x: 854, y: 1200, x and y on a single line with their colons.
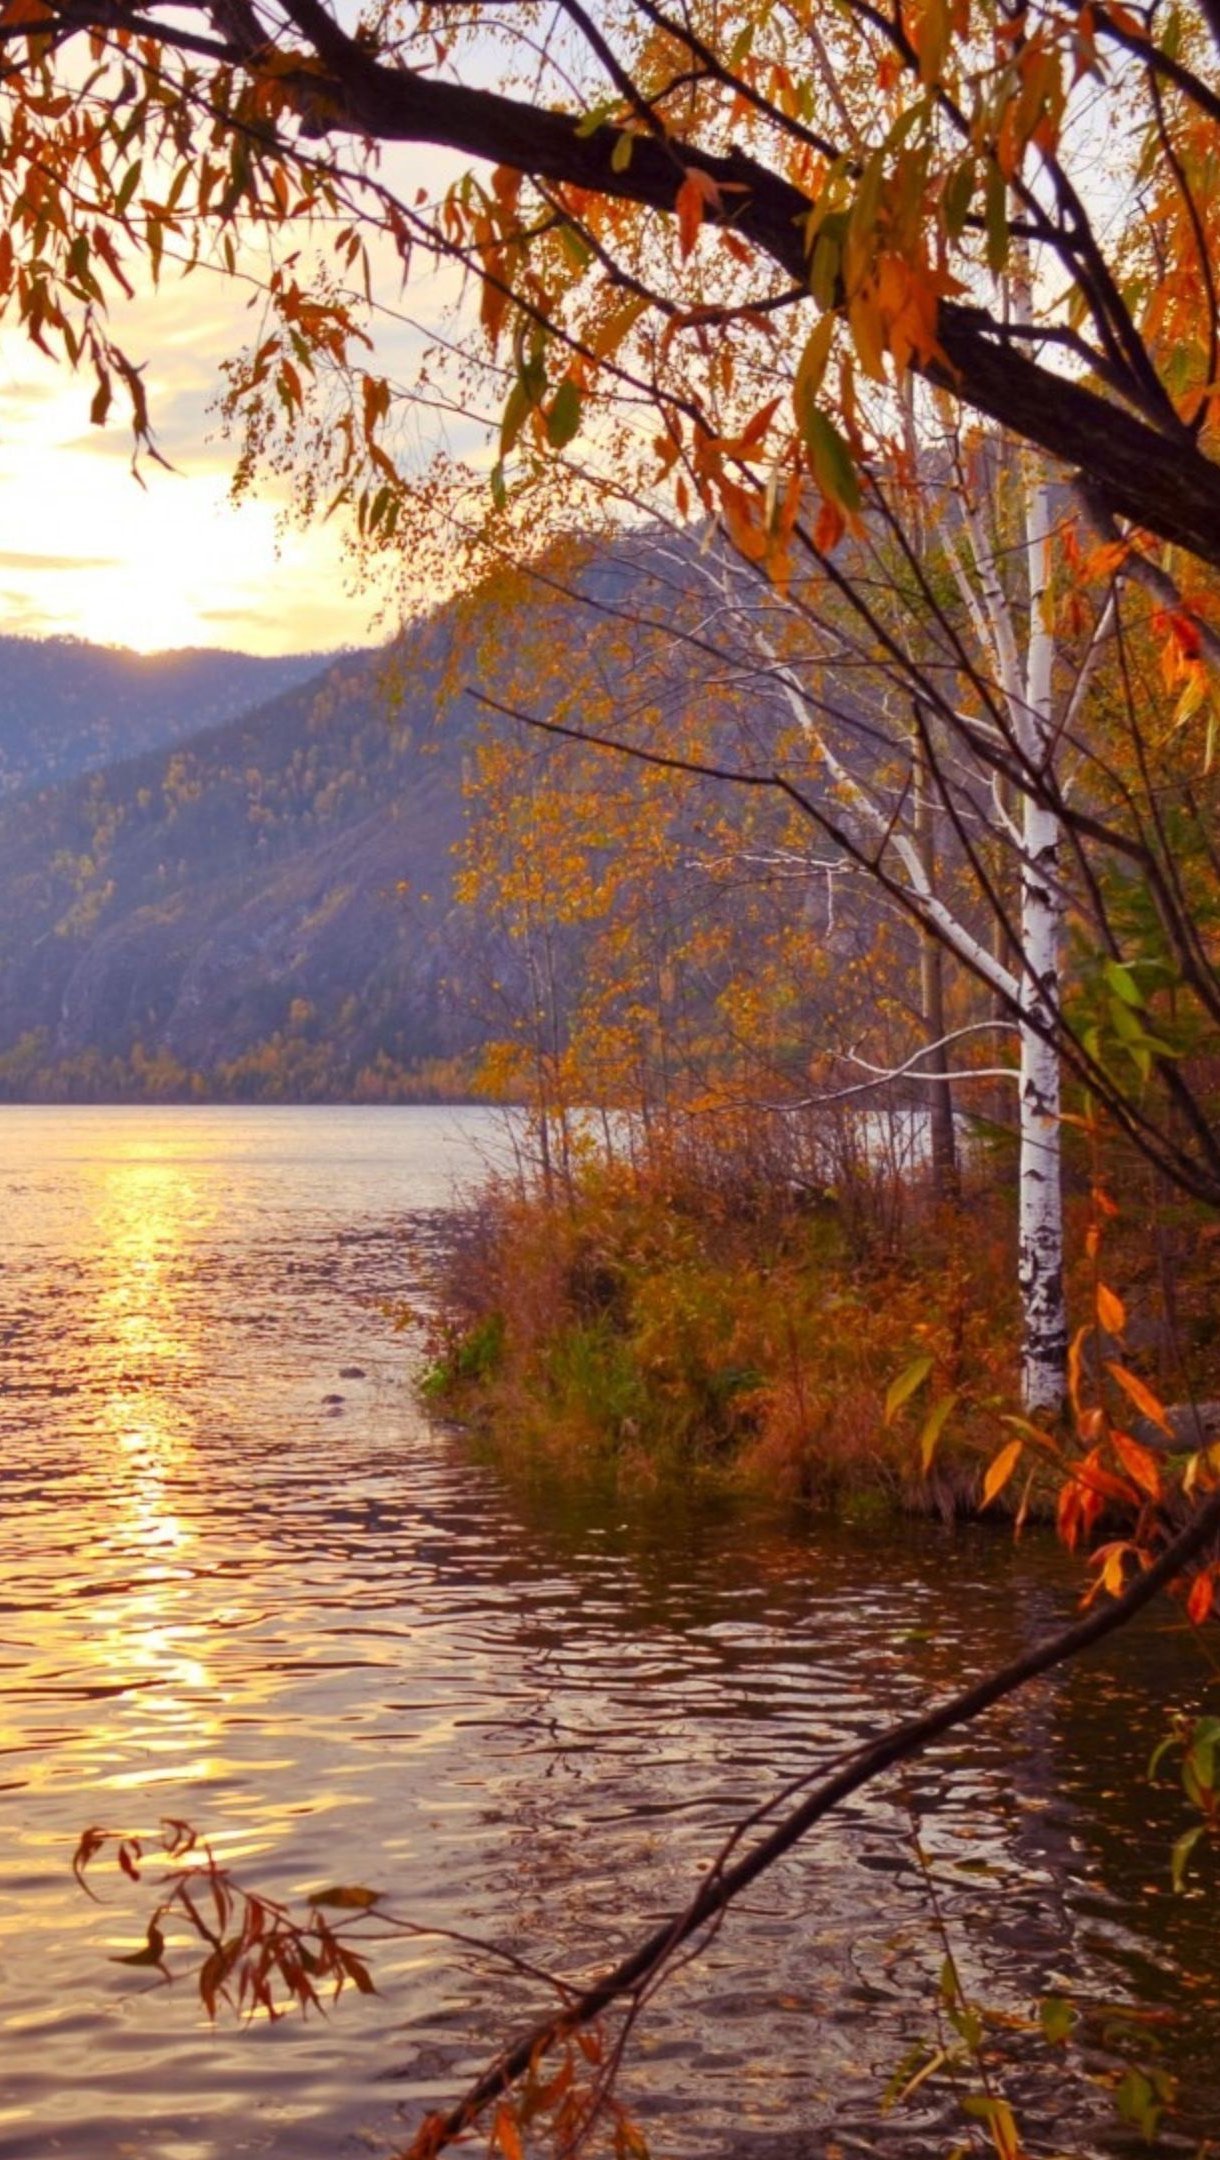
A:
x: 243, y: 1580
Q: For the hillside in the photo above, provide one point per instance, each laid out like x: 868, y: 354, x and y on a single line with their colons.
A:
x: 266, y: 908
x: 68, y: 707
x: 228, y: 917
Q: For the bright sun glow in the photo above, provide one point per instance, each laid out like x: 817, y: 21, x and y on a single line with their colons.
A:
x: 85, y: 551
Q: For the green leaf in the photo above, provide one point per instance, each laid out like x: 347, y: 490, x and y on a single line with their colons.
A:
x: 131, y: 181
x: 863, y: 214
x: 908, y: 1381
x: 996, y: 218
x: 1123, y: 984
x: 810, y: 369
x: 574, y: 247
x: 1136, y: 2103
x: 1183, y: 1848
x: 959, y: 193
x: 740, y: 46
x: 932, y: 1428
x: 1056, y: 2017
x: 826, y: 259
x: 831, y: 460
x: 563, y: 419
x: 499, y: 493
x: 620, y: 156
x: 597, y: 115
x: 968, y: 2025
x: 517, y: 407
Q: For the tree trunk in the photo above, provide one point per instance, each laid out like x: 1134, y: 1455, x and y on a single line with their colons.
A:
x: 1040, y: 1212
x: 941, y: 1133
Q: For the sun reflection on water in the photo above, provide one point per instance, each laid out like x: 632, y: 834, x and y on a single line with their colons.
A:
x: 151, y: 1349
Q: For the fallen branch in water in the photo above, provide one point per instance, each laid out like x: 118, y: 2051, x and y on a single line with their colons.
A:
x: 642, y: 1969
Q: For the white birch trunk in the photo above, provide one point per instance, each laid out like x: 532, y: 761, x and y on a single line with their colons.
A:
x: 1040, y: 1202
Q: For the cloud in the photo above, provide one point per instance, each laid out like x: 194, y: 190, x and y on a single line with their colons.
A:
x: 13, y: 559
x: 26, y: 393
x: 19, y: 618
x: 261, y: 616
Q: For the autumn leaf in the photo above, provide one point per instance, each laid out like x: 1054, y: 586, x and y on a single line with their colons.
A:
x: 697, y: 194
x: 900, y: 1391
x: 506, y: 2133
x: 932, y: 1428
x: 1001, y: 1469
x: 1202, y: 1596
x: 563, y: 418
x: 831, y: 461
x: 151, y: 1953
x: 349, y: 1897
x: 1140, y: 1466
x: 1111, y: 1312
x: 1140, y: 1394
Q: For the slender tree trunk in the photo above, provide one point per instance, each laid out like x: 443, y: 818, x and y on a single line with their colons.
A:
x: 1040, y: 1214
x: 942, y: 1136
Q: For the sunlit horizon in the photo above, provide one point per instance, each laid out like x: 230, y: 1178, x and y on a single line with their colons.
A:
x: 167, y: 560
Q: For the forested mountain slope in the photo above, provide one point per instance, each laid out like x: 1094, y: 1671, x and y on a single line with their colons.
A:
x: 229, y: 916
x: 269, y: 907
x: 67, y: 706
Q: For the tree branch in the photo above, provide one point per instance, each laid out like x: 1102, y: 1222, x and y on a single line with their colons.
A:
x: 724, y: 1883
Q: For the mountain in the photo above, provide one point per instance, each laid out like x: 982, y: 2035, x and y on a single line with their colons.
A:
x: 264, y: 907
x: 68, y: 707
x: 263, y: 910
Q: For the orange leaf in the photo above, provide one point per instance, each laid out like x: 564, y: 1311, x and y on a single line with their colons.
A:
x: 688, y: 210
x: 506, y: 2133
x: 1138, y: 1463
x: 999, y: 1472
x: 755, y: 430
x: 1111, y: 1312
x: 1142, y: 1396
x: 830, y: 528
x: 1202, y: 1597
x: 1075, y: 1362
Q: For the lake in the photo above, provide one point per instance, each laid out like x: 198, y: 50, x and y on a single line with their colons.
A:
x: 244, y: 1580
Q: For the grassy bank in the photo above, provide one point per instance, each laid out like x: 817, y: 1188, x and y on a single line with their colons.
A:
x: 657, y: 1328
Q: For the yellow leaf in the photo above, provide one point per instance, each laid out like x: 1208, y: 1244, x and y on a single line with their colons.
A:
x: 901, y: 1390
x: 933, y: 1427
x: 999, y: 1472
x: 868, y: 334
x: 611, y: 333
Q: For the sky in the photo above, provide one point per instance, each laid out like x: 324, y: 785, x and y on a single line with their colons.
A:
x: 86, y: 551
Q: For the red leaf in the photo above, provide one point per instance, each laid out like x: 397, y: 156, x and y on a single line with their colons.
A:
x: 1202, y: 1597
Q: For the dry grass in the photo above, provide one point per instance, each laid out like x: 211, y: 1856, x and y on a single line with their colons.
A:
x: 653, y: 1327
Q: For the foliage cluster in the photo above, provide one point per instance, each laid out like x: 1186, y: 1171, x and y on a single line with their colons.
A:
x: 667, y: 1320
x: 695, y: 1311
x: 286, y: 1066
